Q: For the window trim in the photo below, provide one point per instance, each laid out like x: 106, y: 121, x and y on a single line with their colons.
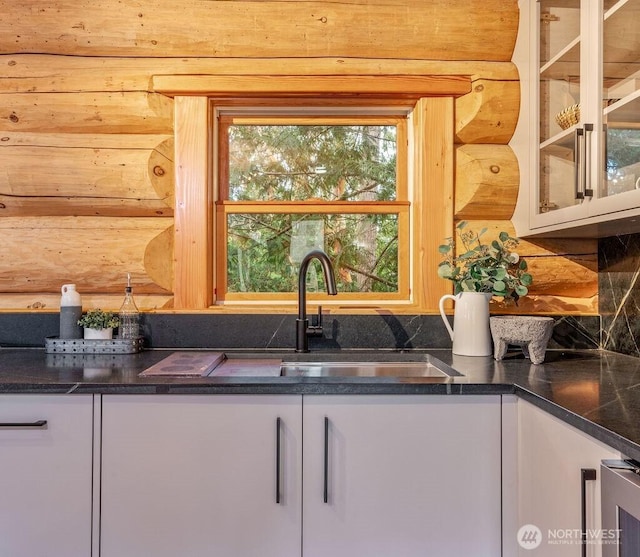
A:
x: 431, y: 166
x: 398, y: 89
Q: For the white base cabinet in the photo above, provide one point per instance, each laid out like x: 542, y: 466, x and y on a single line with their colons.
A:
x: 405, y: 476
x: 46, y: 475
x: 195, y: 476
x: 551, y: 455
x: 202, y: 475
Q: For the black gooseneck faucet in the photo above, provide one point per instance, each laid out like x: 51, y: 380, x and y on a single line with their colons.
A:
x: 302, y: 323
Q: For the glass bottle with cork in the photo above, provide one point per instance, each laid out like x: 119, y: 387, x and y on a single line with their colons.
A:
x: 129, y: 314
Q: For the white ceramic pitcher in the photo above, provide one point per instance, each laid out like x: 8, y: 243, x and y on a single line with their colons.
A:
x: 471, y: 334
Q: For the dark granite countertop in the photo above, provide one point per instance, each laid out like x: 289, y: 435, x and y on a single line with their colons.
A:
x: 596, y: 391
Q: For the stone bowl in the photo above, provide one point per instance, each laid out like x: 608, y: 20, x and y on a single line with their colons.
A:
x: 531, y: 333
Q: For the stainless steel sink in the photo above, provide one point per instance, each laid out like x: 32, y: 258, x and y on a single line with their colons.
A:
x: 427, y: 367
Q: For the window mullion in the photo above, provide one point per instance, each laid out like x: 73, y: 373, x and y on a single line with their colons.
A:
x: 301, y: 207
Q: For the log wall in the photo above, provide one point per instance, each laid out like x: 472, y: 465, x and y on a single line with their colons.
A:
x: 86, y: 145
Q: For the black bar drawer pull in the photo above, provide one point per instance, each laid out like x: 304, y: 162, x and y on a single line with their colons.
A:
x: 37, y: 423
x: 326, y: 460
x: 587, y: 475
x: 278, y: 458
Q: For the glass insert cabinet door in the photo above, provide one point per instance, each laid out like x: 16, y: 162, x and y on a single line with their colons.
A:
x: 621, y: 97
x: 588, y: 90
x: 560, y: 83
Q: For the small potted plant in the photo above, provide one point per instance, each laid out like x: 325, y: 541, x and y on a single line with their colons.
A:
x: 98, y: 324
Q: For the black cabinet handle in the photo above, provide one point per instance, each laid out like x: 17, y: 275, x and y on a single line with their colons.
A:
x: 278, y: 458
x: 577, y: 162
x: 588, y: 191
x: 37, y: 423
x: 587, y: 475
x: 326, y: 460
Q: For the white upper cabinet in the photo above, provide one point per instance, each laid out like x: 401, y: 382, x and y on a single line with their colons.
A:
x: 584, y: 118
x: 619, y: 108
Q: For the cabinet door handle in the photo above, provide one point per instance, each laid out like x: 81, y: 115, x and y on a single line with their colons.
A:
x: 578, y: 163
x: 587, y: 475
x: 326, y: 460
x: 586, y: 176
x: 278, y: 457
x: 37, y: 423
x: 605, y: 149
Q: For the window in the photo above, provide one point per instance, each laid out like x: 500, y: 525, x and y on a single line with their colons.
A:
x: 427, y: 103
x: 288, y: 184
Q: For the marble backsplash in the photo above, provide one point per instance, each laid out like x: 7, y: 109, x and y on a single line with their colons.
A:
x: 243, y: 331
x: 619, y: 294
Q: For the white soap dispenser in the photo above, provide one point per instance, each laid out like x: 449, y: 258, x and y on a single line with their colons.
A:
x: 70, y: 312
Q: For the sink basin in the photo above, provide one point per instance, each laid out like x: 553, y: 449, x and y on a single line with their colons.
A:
x: 315, y: 364
x: 426, y: 367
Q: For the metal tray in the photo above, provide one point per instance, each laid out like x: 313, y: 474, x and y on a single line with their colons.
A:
x: 54, y: 345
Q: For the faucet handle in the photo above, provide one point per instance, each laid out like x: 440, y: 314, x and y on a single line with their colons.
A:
x: 315, y: 329
x: 318, y: 319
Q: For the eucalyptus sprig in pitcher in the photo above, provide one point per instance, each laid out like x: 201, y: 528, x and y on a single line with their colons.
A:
x: 479, y: 272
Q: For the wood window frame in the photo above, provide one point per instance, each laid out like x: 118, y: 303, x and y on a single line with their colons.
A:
x: 430, y: 175
x: 226, y: 114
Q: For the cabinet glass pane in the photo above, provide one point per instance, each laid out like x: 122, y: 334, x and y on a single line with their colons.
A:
x: 557, y: 176
x: 559, y: 63
x: 559, y: 27
x: 620, y: 97
x: 559, y: 93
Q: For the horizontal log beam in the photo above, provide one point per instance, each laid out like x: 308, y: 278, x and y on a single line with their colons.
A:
x: 77, y: 181
x: 91, y: 141
x: 438, y: 29
x: 534, y: 246
x: 40, y: 206
x: 570, y: 270
x: 96, y: 253
x: 42, y: 73
x: 549, y: 305
x: 136, y: 113
x: 48, y: 302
